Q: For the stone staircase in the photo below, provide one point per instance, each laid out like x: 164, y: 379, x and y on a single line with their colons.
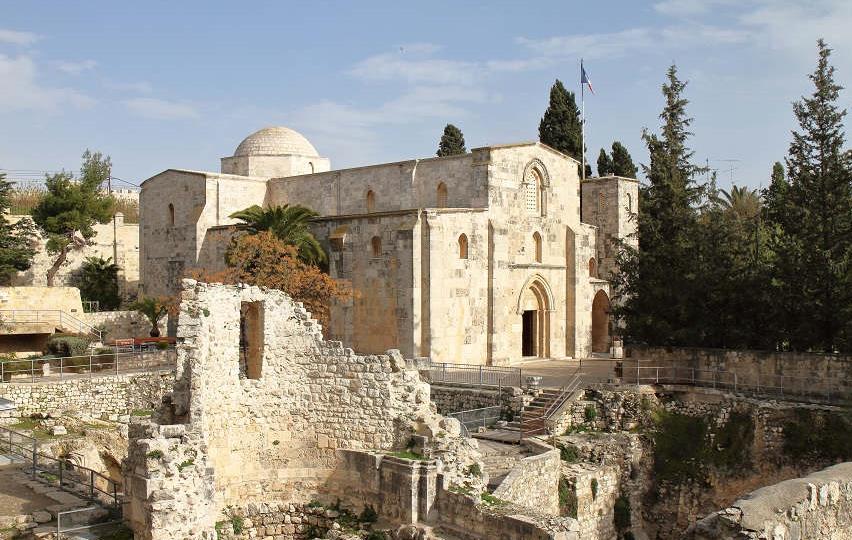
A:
x: 533, y: 415
x: 499, y: 459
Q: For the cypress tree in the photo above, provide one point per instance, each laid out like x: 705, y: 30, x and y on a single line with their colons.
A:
x: 814, y: 244
x: 560, y: 126
x: 452, y: 142
x: 622, y: 163
x: 16, y: 240
x: 658, y: 285
x: 604, y: 164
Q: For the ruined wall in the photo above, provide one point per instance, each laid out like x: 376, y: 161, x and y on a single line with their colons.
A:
x: 450, y: 399
x: 534, y: 480
x: 118, y: 324
x: 594, y: 489
x: 104, y: 395
x: 818, y: 506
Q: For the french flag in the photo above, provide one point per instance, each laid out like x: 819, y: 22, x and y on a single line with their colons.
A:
x: 584, y: 79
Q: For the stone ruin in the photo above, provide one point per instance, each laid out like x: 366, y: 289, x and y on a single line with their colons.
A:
x: 268, y: 421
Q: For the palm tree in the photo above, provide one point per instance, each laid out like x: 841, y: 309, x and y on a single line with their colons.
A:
x: 154, y: 309
x: 290, y: 224
x: 742, y: 202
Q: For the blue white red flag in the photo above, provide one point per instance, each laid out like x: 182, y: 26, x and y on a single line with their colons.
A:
x: 584, y: 79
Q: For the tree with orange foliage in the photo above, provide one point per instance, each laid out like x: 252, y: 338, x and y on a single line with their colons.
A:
x: 263, y: 259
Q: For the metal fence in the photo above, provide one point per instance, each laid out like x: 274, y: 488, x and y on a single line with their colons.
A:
x: 472, y: 419
x: 75, y: 521
x: 94, y: 365
x: 59, y: 472
x: 54, y: 317
x: 475, y: 375
x: 799, y: 388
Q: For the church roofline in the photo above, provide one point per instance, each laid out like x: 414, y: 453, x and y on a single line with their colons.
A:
x: 529, y: 143
x: 611, y: 177
x: 206, y: 174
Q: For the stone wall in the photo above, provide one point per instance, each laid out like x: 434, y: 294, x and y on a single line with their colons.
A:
x: 799, y: 373
x: 818, y: 506
x: 594, y: 489
x: 91, y: 397
x: 119, y: 243
x: 118, y: 324
x: 276, y: 421
x: 449, y: 399
x: 534, y: 481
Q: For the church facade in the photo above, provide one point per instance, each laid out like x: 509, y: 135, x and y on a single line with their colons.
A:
x: 484, y: 258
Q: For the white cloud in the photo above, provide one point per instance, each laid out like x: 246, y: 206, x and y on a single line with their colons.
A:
x: 160, y: 109
x: 690, y: 8
x: 75, y: 68
x: 21, y: 90
x: 16, y: 37
x: 414, y: 65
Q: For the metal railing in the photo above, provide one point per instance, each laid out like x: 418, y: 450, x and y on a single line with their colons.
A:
x: 71, y: 517
x: 475, y: 375
x: 797, y: 388
x: 476, y: 418
x: 537, y: 425
x: 56, y: 317
x: 94, y: 365
x: 59, y: 472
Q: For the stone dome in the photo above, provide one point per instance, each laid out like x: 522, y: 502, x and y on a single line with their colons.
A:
x: 275, y: 141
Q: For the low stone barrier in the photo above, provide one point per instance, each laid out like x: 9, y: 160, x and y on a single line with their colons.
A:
x: 534, y: 481
x: 818, y: 506
x: 449, y: 398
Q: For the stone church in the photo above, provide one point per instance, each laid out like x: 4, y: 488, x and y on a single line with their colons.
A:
x: 484, y: 258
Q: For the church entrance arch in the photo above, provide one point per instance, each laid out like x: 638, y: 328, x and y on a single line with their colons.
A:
x: 534, y: 308
x: 600, y: 323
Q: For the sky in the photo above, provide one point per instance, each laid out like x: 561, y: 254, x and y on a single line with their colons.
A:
x: 179, y: 84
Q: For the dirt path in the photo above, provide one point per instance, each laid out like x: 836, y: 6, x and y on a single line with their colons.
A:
x: 16, y: 498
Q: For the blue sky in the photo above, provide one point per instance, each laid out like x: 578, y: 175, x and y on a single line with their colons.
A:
x: 179, y: 84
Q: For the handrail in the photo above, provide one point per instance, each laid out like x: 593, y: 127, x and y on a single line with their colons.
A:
x: 93, y: 365
x: 61, y: 318
x: 475, y: 374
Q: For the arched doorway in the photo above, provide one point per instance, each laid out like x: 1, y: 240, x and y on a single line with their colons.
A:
x: 534, y: 309
x: 600, y: 323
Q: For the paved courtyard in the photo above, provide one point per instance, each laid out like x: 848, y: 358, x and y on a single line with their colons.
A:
x: 558, y: 373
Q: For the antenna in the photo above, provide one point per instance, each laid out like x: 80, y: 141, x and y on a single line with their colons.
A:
x: 730, y: 168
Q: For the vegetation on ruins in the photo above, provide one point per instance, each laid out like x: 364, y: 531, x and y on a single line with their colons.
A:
x: 16, y: 240
x: 154, y: 308
x: 290, y: 224
x: 264, y: 259
x: 738, y: 268
x: 816, y: 435
x: 71, y: 207
x: 452, y: 142
x: 560, y: 127
x: 97, y: 280
x: 619, y: 163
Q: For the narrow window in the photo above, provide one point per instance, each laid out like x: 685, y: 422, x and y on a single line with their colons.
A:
x: 376, y: 244
x: 629, y: 203
x: 463, y: 246
x: 442, y: 195
x: 371, y: 202
x: 532, y: 188
x: 601, y: 202
x: 251, y: 339
x: 537, y: 241
x: 593, y: 267
x: 311, y: 167
x: 171, y: 215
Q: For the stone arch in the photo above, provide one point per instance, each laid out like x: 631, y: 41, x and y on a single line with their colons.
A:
x: 311, y: 167
x: 600, y: 323
x: 539, y: 167
x: 371, y: 201
x: 463, y: 245
x: 441, y: 195
x: 535, y: 304
x: 629, y: 202
x: 376, y: 246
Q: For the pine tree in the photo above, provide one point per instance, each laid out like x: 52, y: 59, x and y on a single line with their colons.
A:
x: 16, y: 240
x: 560, y: 126
x: 604, y: 163
x: 814, y: 245
x: 658, y: 284
x: 72, y: 206
x: 622, y: 163
x: 452, y: 142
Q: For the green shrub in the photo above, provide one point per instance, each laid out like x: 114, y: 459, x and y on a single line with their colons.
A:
x: 621, y: 513
x: 377, y: 535
x: 594, y: 486
x: 568, y: 454
x: 474, y: 470
x: 162, y: 345
x: 590, y: 413
x: 567, y: 499
x: 818, y: 435
x: 368, y: 514
x: 680, y: 446
x: 68, y: 345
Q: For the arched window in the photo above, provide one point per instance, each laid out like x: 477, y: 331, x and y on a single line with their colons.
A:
x: 311, y: 167
x: 537, y: 242
x: 442, y: 195
x: 601, y: 202
x: 376, y: 244
x: 593, y: 267
x: 171, y: 215
x: 629, y: 203
x: 532, y: 192
x: 463, y: 246
x: 371, y: 202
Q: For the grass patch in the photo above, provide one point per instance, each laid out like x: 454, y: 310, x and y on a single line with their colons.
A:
x: 25, y: 423
x: 154, y: 454
x: 184, y: 464
x: 491, y: 500
x: 141, y: 412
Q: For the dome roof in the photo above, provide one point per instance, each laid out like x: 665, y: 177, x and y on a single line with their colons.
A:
x: 275, y: 141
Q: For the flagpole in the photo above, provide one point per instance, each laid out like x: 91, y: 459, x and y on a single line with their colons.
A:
x: 583, y: 124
